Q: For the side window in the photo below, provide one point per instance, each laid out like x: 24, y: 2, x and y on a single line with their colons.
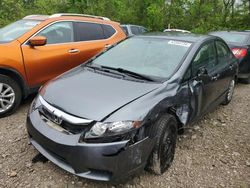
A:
x: 143, y: 30
x: 135, y: 30
x: 108, y: 31
x: 223, y: 53
x: 125, y: 29
x: 206, y: 57
x: 88, y: 31
x: 60, y: 32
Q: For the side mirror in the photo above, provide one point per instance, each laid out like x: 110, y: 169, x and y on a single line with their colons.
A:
x: 202, y: 72
x: 38, y: 41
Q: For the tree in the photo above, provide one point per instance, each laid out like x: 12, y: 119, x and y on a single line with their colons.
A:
x: 10, y: 10
x: 199, y: 16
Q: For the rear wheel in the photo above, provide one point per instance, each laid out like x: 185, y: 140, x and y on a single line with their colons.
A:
x: 162, y: 156
x: 10, y: 96
x: 230, y: 93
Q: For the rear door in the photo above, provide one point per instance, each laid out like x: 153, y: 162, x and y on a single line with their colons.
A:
x: 91, y: 39
x: 226, y: 67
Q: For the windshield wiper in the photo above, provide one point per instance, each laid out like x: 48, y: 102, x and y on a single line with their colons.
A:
x: 99, y: 68
x: 92, y: 67
x: 130, y: 73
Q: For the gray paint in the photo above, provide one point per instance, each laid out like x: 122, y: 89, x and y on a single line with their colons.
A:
x: 100, y: 97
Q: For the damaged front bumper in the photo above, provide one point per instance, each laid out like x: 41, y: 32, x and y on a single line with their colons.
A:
x: 102, y: 161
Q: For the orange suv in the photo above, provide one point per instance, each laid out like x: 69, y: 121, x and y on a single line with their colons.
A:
x: 39, y: 47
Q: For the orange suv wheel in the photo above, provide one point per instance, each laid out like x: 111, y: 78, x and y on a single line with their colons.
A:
x: 10, y: 96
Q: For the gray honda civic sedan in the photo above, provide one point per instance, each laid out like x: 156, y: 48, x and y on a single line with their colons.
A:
x: 120, y: 113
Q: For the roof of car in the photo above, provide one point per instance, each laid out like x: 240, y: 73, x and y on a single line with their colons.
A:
x: 189, y: 37
x: 233, y: 32
x: 45, y: 17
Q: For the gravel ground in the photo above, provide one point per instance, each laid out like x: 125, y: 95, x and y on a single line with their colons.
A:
x: 213, y: 153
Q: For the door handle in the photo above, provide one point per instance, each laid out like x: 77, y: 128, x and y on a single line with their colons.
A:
x: 107, y: 45
x: 214, y: 78
x: 72, y: 51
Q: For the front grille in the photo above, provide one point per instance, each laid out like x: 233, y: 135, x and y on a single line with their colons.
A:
x: 68, y: 127
x: 76, y: 129
x: 46, y: 113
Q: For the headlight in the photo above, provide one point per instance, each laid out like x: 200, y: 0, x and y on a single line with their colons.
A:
x: 110, y: 129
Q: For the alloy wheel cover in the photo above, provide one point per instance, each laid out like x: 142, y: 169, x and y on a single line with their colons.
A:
x: 7, y: 97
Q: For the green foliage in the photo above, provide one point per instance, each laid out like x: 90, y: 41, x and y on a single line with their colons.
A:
x: 154, y: 17
x: 199, y: 16
x: 10, y: 10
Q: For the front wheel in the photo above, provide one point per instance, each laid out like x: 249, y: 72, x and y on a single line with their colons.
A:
x: 230, y: 93
x: 162, y: 156
x: 10, y: 96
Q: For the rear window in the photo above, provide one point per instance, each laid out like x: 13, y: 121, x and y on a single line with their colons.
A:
x: 108, y: 31
x: 135, y: 30
x: 143, y: 30
x: 232, y: 37
x: 88, y: 31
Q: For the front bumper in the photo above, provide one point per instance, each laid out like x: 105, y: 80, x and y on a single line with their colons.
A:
x: 105, y: 161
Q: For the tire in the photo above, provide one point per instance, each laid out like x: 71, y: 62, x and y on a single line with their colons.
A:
x: 10, y: 96
x: 230, y: 93
x: 162, y: 156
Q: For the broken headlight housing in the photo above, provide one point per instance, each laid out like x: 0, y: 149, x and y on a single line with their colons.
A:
x: 111, y: 131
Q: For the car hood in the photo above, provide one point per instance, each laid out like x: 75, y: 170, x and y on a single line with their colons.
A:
x: 87, y: 94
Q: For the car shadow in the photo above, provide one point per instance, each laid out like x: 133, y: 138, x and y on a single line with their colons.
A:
x: 29, y: 99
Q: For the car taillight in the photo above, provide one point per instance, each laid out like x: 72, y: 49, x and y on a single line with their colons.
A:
x: 239, y: 52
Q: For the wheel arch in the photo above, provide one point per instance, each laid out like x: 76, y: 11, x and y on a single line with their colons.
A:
x: 155, y: 114
x: 15, y: 75
x: 172, y: 111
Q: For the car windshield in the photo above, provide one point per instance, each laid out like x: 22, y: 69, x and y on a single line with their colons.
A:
x: 16, y: 29
x: 153, y: 57
x: 233, y: 37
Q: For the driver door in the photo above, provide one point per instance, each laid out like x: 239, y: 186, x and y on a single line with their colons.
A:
x: 202, y: 84
x: 43, y: 63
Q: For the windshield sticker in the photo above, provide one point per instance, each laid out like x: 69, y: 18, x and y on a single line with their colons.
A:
x: 179, y: 43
